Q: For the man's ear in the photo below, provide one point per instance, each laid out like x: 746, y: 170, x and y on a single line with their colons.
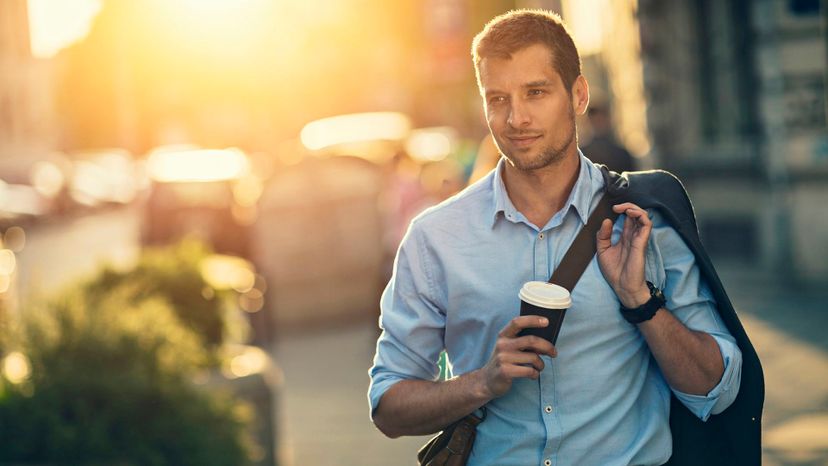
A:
x: 580, y: 95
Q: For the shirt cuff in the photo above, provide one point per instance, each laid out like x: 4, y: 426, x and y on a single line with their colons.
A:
x: 378, y: 388
x: 727, y: 389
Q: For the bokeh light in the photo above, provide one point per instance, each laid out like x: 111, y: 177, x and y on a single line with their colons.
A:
x: 431, y: 144
x: 47, y: 178
x: 251, y: 360
x: 16, y: 367
x: 8, y: 262
x: 14, y: 238
x: 228, y: 272
x: 197, y: 165
x: 354, y: 128
x: 252, y: 301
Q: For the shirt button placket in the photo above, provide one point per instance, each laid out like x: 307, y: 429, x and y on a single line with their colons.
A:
x: 541, y: 257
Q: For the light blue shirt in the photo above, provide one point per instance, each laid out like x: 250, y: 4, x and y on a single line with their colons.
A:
x: 603, y: 400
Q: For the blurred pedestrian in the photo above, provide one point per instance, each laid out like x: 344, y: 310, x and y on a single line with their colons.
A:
x: 485, y: 160
x: 642, y: 322
x: 402, y: 198
x: 411, y: 187
x: 440, y: 180
x: 603, y: 147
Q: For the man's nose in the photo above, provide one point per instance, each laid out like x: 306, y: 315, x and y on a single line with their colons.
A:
x: 518, y: 115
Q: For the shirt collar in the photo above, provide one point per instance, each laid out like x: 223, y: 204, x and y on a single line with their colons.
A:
x: 580, y: 198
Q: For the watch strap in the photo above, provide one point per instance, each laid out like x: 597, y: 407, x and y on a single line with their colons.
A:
x: 647, y: 310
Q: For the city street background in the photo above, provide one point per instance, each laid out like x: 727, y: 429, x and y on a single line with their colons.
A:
x: 200, y: 202
x: 324, y: 418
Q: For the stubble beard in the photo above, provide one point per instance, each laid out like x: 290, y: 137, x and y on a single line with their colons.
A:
x: 548, y: 156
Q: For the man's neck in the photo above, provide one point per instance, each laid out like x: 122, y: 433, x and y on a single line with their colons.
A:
x: 539, y: 194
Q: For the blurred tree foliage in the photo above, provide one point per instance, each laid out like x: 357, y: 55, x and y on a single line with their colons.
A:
x: 173, y: 275
x: 110, y: 370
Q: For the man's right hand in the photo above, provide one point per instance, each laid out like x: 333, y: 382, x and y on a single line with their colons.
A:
x: 420, y: 407
x: 515, y: 357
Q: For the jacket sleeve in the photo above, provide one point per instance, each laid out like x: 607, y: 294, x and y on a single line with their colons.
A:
x: 689, y: 298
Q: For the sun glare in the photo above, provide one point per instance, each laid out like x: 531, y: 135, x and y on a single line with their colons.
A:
x: 431, y: 144
x: 56, y: 24
x: 197, y: 165
x: 587, y: 29
x: 222, y: 22
x: 356, y: 127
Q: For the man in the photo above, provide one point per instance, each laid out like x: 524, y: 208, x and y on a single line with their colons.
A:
x: 601, y: 396
x: 602, y: 147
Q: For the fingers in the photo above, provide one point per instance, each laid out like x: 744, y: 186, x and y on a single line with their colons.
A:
x: 637, y: 224
x: 523, y: 358
x: 634, y: 212
x: 620, y: 208
x: 516, y: 371
x: 521, y: 322
x: 536, y: 345
x: 527, y: 343
x: 517, y: 357
x: 520, y: 357
x: 604, y: 237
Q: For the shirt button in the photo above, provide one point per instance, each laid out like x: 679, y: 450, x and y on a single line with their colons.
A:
x: 547, y: 462
x: 548, y: 409
x: 540, y: 236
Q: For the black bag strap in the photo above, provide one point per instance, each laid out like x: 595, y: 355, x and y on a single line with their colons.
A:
x: 580, y: 253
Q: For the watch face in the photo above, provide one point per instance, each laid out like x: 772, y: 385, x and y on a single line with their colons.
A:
x: 654, y: 292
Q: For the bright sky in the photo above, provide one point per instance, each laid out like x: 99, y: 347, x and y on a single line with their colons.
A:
x: 55, y: 24
x: 587, y: 23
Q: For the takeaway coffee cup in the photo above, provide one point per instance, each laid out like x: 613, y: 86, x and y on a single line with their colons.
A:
x: 546, y: 300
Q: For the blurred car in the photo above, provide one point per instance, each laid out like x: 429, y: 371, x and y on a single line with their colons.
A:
x: 21, y: 204
x: 33, y: 186
x: 374, y: 136
x: 104, y: 177
x: 206, y: 193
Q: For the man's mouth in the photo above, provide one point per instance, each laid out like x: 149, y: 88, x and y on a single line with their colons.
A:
x: 523, y: 141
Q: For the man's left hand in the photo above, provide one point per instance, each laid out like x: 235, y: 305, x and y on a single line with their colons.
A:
x: 622, y: 263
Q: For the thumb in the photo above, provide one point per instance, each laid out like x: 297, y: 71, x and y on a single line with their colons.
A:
x: 604, y: 236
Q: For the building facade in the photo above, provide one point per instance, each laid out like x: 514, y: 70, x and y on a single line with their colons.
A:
x: 736, y: 106
x: 26, y: 108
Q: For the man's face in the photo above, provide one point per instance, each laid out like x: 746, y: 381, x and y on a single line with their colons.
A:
x: 529, y: 111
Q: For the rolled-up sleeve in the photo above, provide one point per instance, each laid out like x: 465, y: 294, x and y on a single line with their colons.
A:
x: 412, y: 324
x: 725, y: 392
x: 690, y: 300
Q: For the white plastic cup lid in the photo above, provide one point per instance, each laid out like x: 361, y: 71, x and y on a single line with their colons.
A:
x: 546, y: 295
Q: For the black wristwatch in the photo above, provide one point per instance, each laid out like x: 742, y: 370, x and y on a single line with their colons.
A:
x: 647, y: 310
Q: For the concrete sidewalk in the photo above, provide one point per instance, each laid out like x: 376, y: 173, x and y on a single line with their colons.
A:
x: 325, y: 411
x: 324, y: 402
x: 786, y: 323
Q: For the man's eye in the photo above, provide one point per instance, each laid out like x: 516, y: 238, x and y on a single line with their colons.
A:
x: 498, y: 99
x: 536, y: 92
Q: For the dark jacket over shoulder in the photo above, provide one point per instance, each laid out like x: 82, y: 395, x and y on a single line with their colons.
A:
x: 732, y: 437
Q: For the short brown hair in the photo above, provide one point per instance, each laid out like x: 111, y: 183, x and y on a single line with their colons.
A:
x: 507, y: 33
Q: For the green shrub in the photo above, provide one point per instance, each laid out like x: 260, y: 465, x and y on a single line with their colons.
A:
x: 171, y: 274
x: 110, y: 383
